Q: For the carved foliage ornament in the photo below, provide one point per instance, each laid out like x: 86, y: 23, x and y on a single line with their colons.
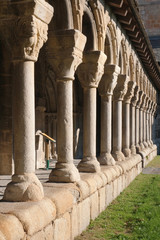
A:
x: 28, y: 37
x: 77, y: 8
x: 130, y: 91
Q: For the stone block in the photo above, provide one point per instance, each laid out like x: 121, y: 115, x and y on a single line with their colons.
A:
x: 35, y: 215
x: 62, y: 228
x: 48, y: 232
x: 74, y: 222
x: 109, y: 193
x: 62, y: 198
x: 102, y: 196
x: 38, y: 236
x: 115, y: 188
x: 84, y: 214
x: 91, y: 183
x: 94, y: 201
x: 84, y: 189
x: 11, y: 228
x: 104, y: 178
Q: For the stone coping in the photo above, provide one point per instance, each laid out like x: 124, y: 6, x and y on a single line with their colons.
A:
x: 20, y: 218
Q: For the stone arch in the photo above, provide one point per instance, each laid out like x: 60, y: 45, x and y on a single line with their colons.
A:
x: 111, y: 44
x: 123, y: 58
x: 89, y: 29
x: 137, y: 76
x: 61, y: 8
x: 141, y: 79
x: 98, y: 13
x: 131, y: 68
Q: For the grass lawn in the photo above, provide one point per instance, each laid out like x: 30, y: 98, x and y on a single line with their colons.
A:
x: 134, y: 215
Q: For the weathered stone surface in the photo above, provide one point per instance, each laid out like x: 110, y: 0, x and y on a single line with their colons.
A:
x: 94, y: 201
x: 62, y: 228
x: 35, y: 216
x: 62, y: 198
x: 102, y: 198
x: 11, y: 228
x: 84, y: 214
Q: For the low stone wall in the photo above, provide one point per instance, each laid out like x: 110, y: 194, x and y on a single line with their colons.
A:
x: 67, y: 209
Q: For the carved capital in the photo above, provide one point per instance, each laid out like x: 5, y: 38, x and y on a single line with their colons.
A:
x: 140, y: 99
x: 134, y: 99
x: 109, y: 80
x: 92, y: 69
x: 130, y: 92
x: 66, y: 48
x: 121, y: 87
x: 26, y: 27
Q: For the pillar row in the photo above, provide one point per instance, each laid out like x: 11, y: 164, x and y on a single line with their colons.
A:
x: 141, y: 122
x: 138, y: 131
x: 65, y: 55
x: 30, y: 34
x: 118, y: 95
x: 106, y: 87
x: 90, y: 73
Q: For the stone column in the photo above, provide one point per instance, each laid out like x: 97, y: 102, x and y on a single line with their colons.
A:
x: 141, y: 122
x: 151, y: 122
x: 118, y: 95
x: 138, y: 122
x: 30, y: 32
x: 134, y: 121
x: 145, y: 106
x: 106, y: 87
x: 90, y: 73
x: 148, y: 123
x: 65, y: 54
x: 126, y: 119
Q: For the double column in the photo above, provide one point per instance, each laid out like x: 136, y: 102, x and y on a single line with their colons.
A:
x: 118, y: 95
x: 126, y: 119
x: 106, y: 87
x: 90, y: 73
x: 138, y: 122
x: 66, y: 48
x: 141, y: 122
x: 30, y: 34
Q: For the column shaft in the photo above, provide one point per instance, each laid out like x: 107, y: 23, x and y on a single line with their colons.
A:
x: 24, y: 117
x: 141, y: 128
x: 117, y: 131
x: 133, y: 129
x: 126, y: 129
x: 137, y: 126
x: 106, y: 131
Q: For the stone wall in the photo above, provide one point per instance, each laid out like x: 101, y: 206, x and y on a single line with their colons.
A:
x: 67, y: 209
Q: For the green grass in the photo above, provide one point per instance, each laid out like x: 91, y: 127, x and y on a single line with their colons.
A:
x: 134, y: 215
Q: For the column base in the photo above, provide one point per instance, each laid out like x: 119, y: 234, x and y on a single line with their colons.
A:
x: 89, y: 164
x: 141, y: 146
x: 149, y: 144
x: 145, y: 144
x: 64, y: 172
x: 138, y: 148
x: 127, y: 152
x: 133, y: 149
x: 106, y: 159
x: 118, y: 156
x: 24, y: 188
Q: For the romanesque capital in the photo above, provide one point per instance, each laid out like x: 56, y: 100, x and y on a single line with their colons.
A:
x: 65, y: 52
x: 92, y: 69
x: 134, y: 99
x: 25, y: 27
x: 109, y: 79
x: 130, y: 92
x: 121, y: 87
x: 139, y: 99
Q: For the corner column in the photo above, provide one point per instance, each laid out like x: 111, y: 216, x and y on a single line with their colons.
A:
x: 30, y: 34
x: 118, y: 95
x: 106, y: 87
x: 65, y: 56
x: 126, y: 119
x: 90, y: 73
